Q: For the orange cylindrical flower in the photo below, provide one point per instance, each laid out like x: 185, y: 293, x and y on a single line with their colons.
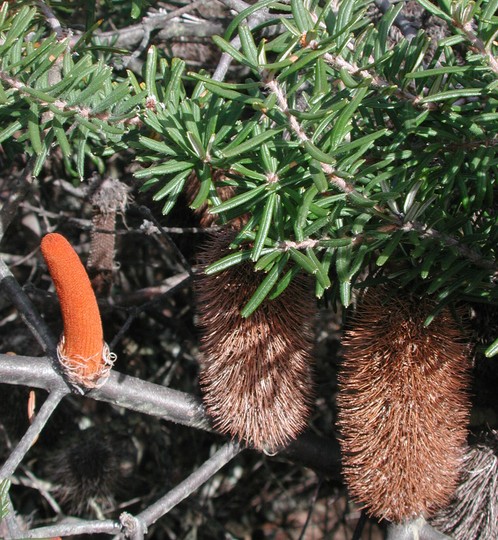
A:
x: 82, y: 350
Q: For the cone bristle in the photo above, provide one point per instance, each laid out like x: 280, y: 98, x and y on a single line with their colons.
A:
x: 255, y: 374
x: 403, y: 406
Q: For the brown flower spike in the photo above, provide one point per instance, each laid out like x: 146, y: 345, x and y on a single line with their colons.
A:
x: 403, y: 406
x: 255, y: 373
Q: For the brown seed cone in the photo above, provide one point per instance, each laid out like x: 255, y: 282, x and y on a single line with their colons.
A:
x: 403, y: 406
x: 256, y: 372
x: 473, y: 512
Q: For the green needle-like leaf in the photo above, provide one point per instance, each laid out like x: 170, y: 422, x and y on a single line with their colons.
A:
x: 264, y: 288
x: 264, y: 226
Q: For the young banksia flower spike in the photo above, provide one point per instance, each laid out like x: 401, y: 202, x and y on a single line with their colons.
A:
x: 403, y: 406
x: 255, y: 373
x: 82, y: 352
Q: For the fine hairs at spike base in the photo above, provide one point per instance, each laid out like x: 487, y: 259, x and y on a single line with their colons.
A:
x: 256, y: 372
x: 403, y: 405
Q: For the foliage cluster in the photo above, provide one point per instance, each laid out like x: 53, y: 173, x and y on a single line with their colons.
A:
x: 349, y: 151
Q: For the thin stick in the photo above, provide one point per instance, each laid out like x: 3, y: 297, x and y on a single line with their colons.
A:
x: 253, y: 20
x: 27, y: 310
x: 311, y: 508
x: 200, y: 476
x: 360, y: 526
x: 52, y: 20
x: 134, y: 33
x: 21, y: 187
x: 310, y: 450
x: 34, y: 430
x: 148, y: 214
x: 13, y: 528
x: 74, y: 527
x: 406, y: 28
x: 135, y: 526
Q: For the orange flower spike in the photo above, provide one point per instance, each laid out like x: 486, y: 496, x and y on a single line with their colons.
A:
x: 82, y: 350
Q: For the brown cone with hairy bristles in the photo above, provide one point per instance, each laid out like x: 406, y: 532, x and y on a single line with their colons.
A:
x: 403, y: 406
x: 256, y: 372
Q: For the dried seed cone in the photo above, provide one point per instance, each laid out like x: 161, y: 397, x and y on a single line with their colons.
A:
x: 256, y: 373
x: 403, y: 406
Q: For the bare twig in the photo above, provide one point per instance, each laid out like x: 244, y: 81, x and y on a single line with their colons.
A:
x: 134, y: 527
x: 32, y: 481
x: 147, y: 297
x: 10, y: 524
x: 236, y: 5
x: 27, y: 311
x: 127, y: 37
x: 447, y: 240
x: 142, y: 296
x: 135, y: 394
x: 72, y: 527
x: 52, y: 20
x: 254, y: 20
x: 146, y: 228
x: 21, y: 187
x: 310, y: 510
x: 201, y: 475
x: 358, y: 531
x: 34, y: 430
x: 167, y: 239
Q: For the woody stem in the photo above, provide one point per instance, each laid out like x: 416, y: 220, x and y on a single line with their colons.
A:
x: 31, y: 434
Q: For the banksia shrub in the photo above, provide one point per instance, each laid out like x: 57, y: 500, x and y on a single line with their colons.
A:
x: 473, y: 512
x: 403, y: 406
x: 255, y: 374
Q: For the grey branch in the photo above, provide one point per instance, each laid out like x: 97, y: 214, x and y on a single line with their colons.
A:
x: 201, y: 475
x: 73, y: 527
x: 253, y: 20
x: 135, y: 526
x: 34, y: 430
x: 131, y: 35
x: 20, y: 189
x: 310, y: 450
x: 51, y: 18
x: 36, y: 325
